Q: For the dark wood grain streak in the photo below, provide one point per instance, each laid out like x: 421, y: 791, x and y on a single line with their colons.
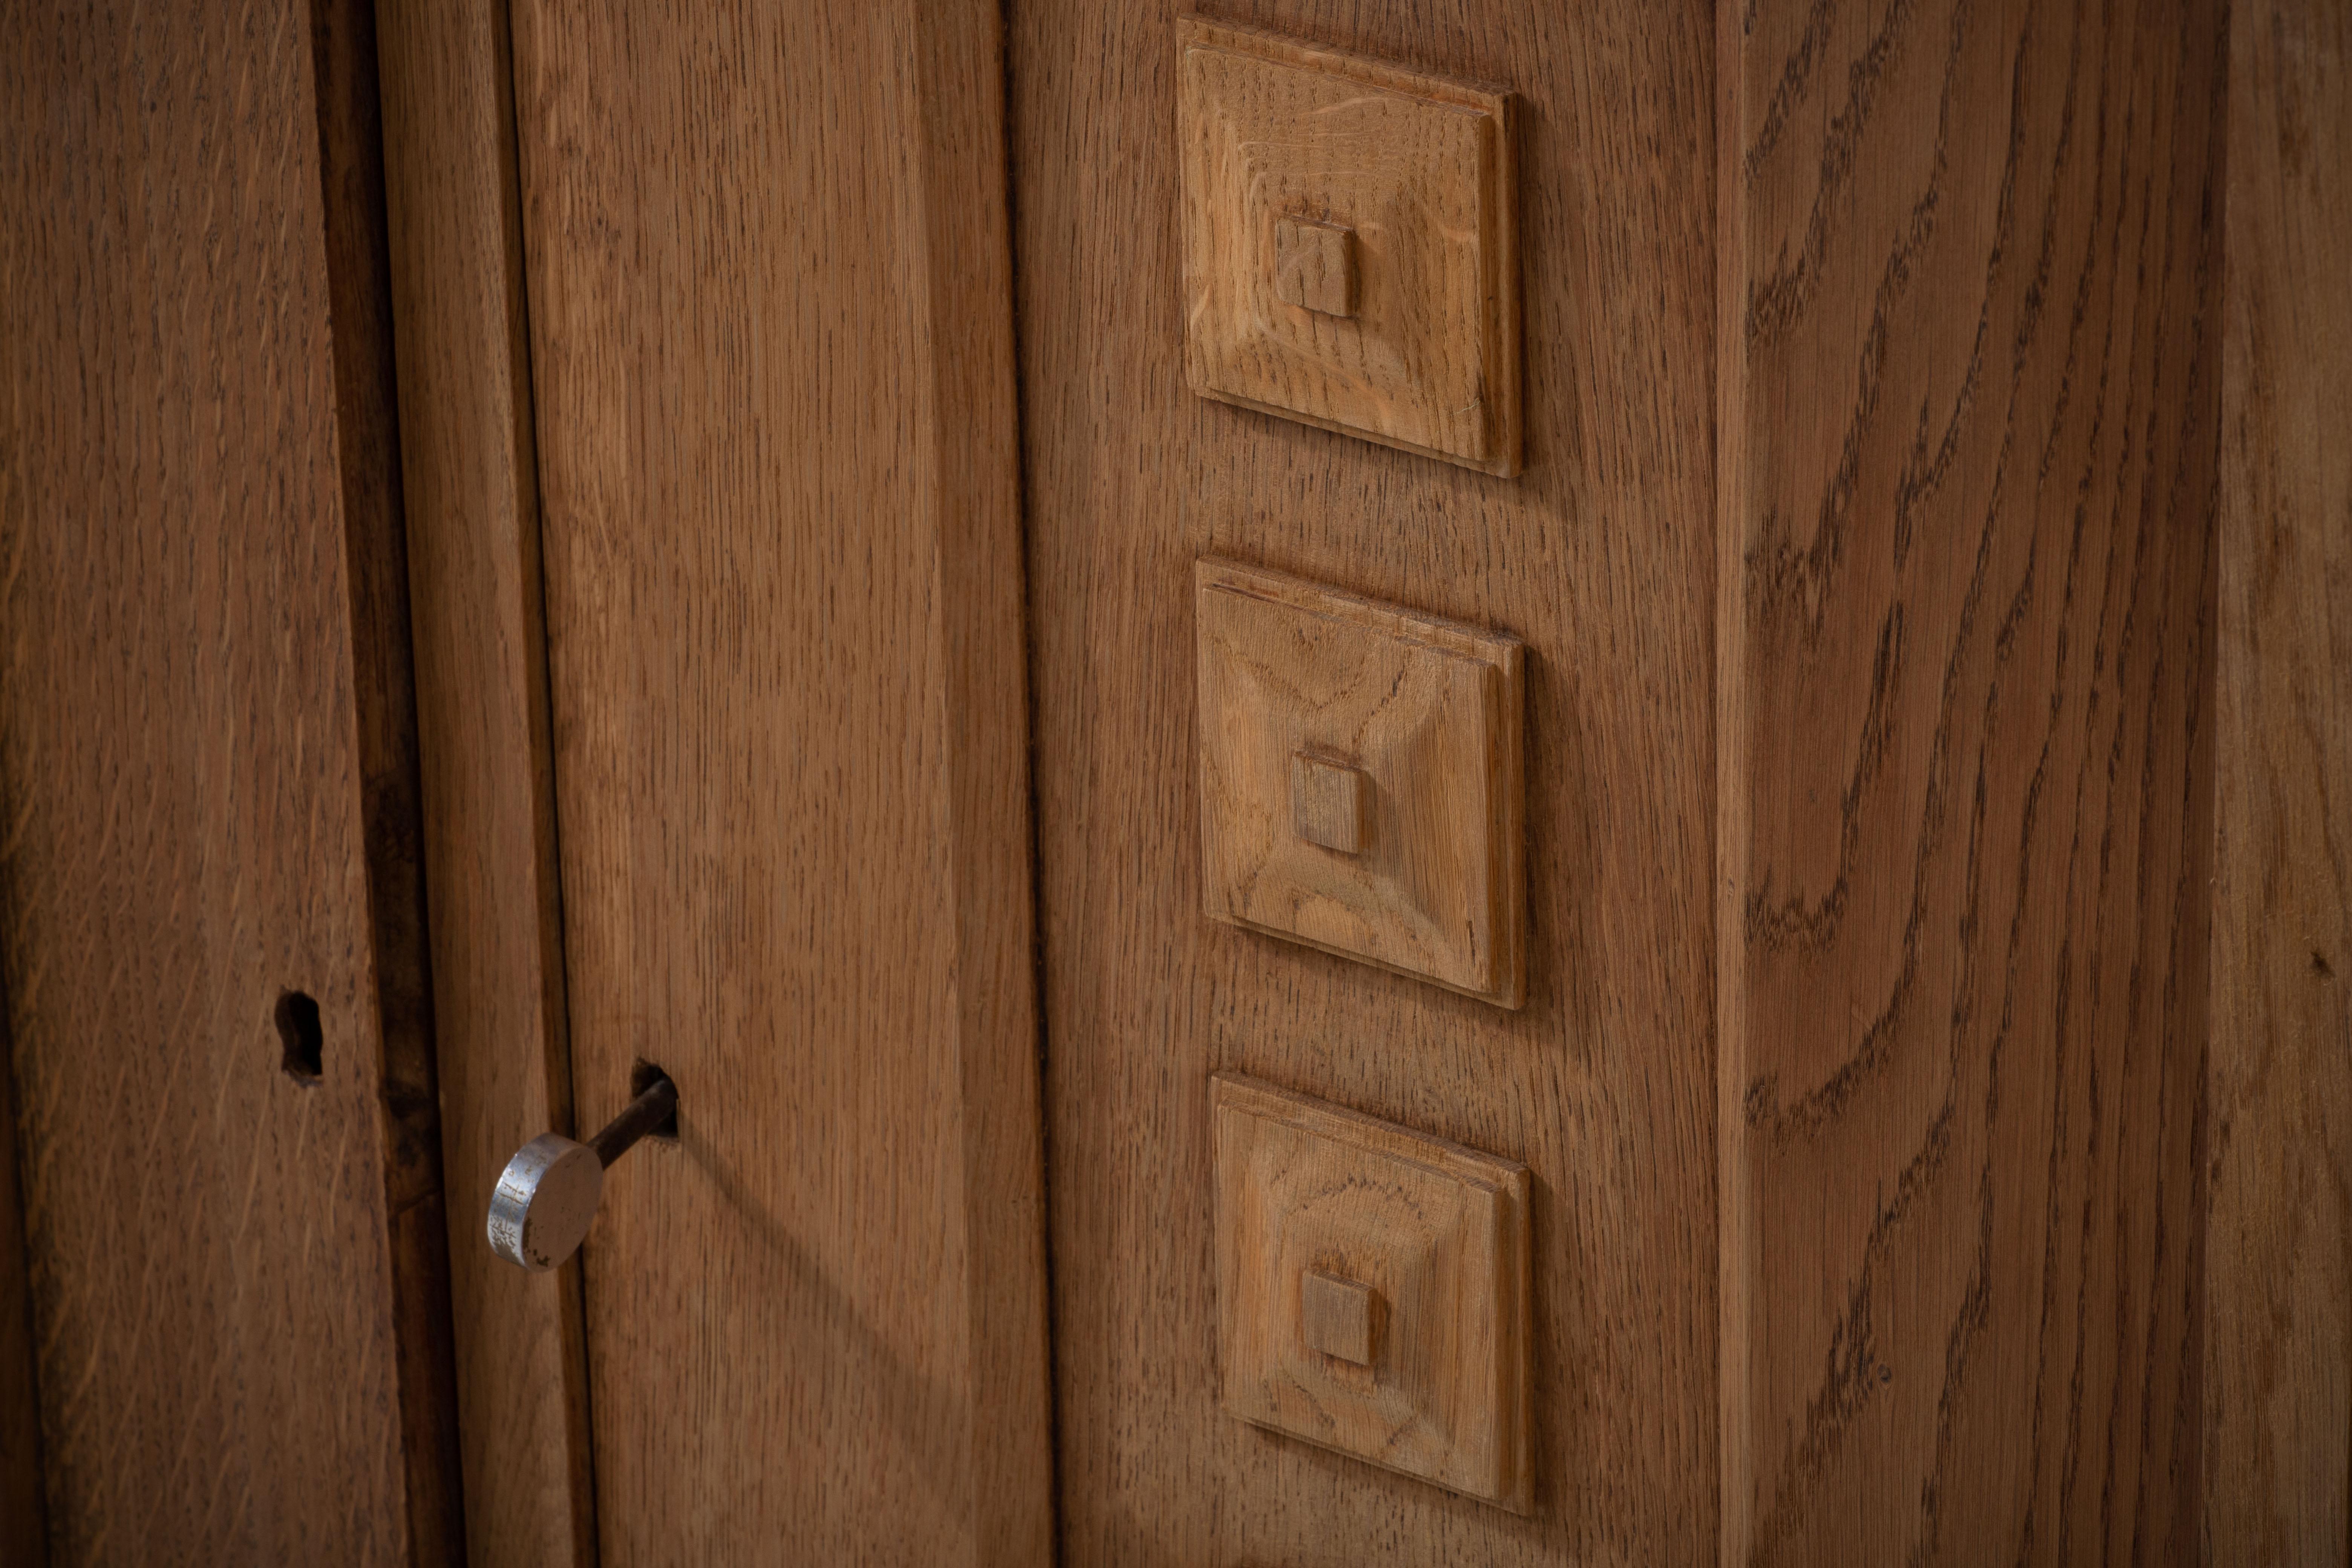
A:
x: 24, y: 1515
x: 207, y: 798
x: 1970, y: 395
x: 2278, y: 1368
x: 1601, y: 557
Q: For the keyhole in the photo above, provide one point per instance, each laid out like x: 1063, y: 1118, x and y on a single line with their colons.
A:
x: 303, y: 1042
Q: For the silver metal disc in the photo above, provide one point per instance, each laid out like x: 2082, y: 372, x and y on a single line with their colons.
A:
x: 545, y: 1200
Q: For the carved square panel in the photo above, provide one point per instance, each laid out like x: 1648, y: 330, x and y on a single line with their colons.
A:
x: 1360, y: 783
x: 1372, y: 1289
x: 1350, y: 244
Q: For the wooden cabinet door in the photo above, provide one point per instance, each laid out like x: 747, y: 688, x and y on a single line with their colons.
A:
x: 770, y: 357
x: 727, y: 672
x: 224, y: 1306
x: 1890, y: 1090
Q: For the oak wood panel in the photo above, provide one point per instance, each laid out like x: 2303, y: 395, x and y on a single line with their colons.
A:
x: 208, y: 795
x: 771, y: 355
x: 470, y: 462
x: 1970, y: 341
x: 2278, y: 1368
x: 1600, y: 557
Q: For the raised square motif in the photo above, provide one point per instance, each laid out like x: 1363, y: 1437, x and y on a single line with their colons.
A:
x: 1360, y: 783
x: 1372, y: 1289
x: 1350, y: 244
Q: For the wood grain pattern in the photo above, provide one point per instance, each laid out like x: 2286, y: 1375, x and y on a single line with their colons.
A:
x: 771, y: 353
x: 208, y: 798
x: 1422, y: 173
x: 1422, y: 717
x: 1322, y: 1213
x: 2278, y: 1364
x: 1600, y: 558
x: 489, y: 849
x: 1966, y: 643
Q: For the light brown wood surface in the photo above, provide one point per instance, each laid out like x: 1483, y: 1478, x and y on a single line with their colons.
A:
x: 2278, y: 1367
x: 1413, y: 341
x: 772, y: 358
x: 1361, y: 779
x: 209, y: 799
x: 1600, y: 557
x: 1324, y: 1219
x: 1971, y: 359
x: 488, y: 848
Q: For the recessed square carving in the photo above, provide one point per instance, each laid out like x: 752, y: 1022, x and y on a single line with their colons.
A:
x: 1372, y: 1289
x: 1361, y: 781
x: 1350, y: 244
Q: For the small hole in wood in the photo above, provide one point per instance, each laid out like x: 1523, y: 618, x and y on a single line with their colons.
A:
x: 302, y: 1042
x: 643, y: 1077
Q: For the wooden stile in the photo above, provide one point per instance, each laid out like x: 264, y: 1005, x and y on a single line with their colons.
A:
x: 1970, y: 339
x: 2278, y: 1283
x: 1599, y: 556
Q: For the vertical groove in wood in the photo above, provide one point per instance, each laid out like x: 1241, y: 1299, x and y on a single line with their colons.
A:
x: 1971, y: 349
x: 488, y: 845
x: 2278, y: 1416
x: 202, y: 799
x: 375, y: 580
x: 1735, y: 1194
x: 972, y: 498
